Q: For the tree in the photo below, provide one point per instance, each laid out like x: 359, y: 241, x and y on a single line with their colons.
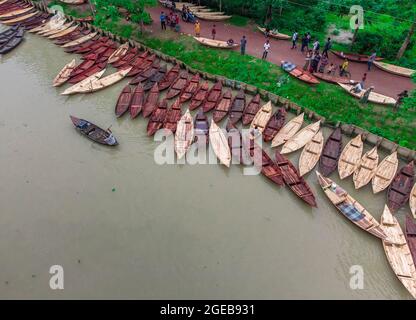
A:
x: 406, y: 41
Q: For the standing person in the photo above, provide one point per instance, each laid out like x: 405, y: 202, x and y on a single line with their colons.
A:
x: 371, y: 60
x: 307, y: 60
x: 324, y: 63
x: 344, y: 68
x: 315, y: 62
x: 316, y: 46
x: 328, y: 46
x: 366, y: 95
x: 295, y: 37
x: 163, y: 20
x: 213, y: 32
x: 266, y: 48
x: 308, y: 38
x: 401, y: 96
x: 362, y: 82
x: 197, y: 28
x: 170, y: 19
x: 304, y: 43
x: 243, y: 43
x: 331, y: 69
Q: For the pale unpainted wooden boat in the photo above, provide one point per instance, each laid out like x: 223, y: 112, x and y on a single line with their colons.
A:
x: 391, y: 68
x: 311, y: 153
x: 101, y: 83
x: 20, y: 19
x: 56, y: 30
x: 374, y: 97
x: 119, y: 53
x: 288, y: 131
x: 80, y: 40
x: 184, y: 134
x: 55, y: 22
x: 64, y: 74
x: 262, y: 117
x: 350, y: 157
x: 366, y: 169
x: 278, y: 35
x: 209, y: 17
x: 301, y: 138
x: 350, y: 208
x: 76, y: 87
x: 397, y: 252
x: 63, y: 32
x: 211, y: 13
x: 219, y: 144
x: 385, y: 173
x: 73, y: 2
x: 15, y: 12
x: 412, y: 201
x: 215, y: 43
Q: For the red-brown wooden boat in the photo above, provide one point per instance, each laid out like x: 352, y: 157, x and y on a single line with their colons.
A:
x: 155, y: 79
x: 130, y: 55
x: 137, y: 101
x: 276, y: 122
x: 201, y: 128
x: 332, y: 150
x: 86, y: 44
x: 85, y: 65
x: 354, y: 56
x: 169, y: 78
x: 173, y: 115
x: 332, y: 79
x: 158, y: 118
x: 238, y: 106
x: 151, y: 101
x: 294, y: 181
x: 199, y: 96
x: 72, y: 36
x: 223, y: 106
x: 399, y: 190
x: 106, y: 54
x: 102, y: 42
x: 87, y: 73
x: 251, y: 110
x: 191, y: 88
x: 213, y: 97
x: 146, y: 74
x: 142, y: 66
x: 411, y: 236
x: 178, y: 85
x: 123, y: 101
x: 235, y: 142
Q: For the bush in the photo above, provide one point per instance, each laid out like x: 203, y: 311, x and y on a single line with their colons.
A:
x: 336, y: 32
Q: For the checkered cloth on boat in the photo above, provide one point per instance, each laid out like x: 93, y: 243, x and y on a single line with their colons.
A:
x: 288, y: 66
x: 351, y: 212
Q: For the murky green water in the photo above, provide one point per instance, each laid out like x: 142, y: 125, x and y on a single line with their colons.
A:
x: 175, y: 231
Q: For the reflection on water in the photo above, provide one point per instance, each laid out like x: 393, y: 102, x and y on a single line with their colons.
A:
x: 124, y: 227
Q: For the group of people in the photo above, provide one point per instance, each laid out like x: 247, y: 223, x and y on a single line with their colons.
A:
x: 187, y: 14
x: 171, y: 20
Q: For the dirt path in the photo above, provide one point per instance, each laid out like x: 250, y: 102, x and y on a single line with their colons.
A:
x: 384, y: 82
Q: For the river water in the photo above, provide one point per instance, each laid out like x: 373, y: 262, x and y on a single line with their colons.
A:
x: 122, y: 226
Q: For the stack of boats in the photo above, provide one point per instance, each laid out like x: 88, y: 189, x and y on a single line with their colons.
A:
x: 201, y: 12
x: 143, y: 95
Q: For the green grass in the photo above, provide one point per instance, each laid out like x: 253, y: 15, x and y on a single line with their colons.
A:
x: 238, y: 21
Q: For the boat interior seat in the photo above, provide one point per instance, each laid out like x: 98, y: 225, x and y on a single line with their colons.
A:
x: 356, y: 145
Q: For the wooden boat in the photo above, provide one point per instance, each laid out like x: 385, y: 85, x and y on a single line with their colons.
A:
x: 178, y: 85
x: 13, y: 13
x: 191, y: 88
x: 137, y: 101
x: 201, y: 128
x: 300, y: 139
x: 209, y: 17
x: 130, y: 55
x: 391, y: 68
x: 20, y: 19
x: 173, y: 115
x: 411, y: 236
x: 300, y: 74
x: 354, y: 56
x: 398, y: 252
x: 350, y: 157
x: 311, y: 153
x: 93, y: 132
x: 74, y: 36
x: 157, y: 118
x: 83, y: 46
x: 143, y: 66
x: 412, y: 201
x: 276, y: 35
x: 80, y: 68
x: 374, y: 97
x: 251, y: 110
x: 151, y: 101
x: 366, y: 169
x: 80, y: 40
x: 64, y: 74
x: 123, y: 101
x: 184, y: 134
x: 332, y: 79
x: 294, y: 181
x: 213, y: 97
x: 288, y: 131
x: 13, y: 42
x: 385, y: 173
x: 262, y: 118
x: 169, y: 78
x: 199, y: 96
x: 105, y: 82
x: 399, y: 190
x: 223, y: 106
x: 7, y: 37
x: 331, y: 153
x: 73, y: 2
x: 237, y: 107
x: 235, y: 142
x: 76, y: 87
x: 55, y: 28
x: 155, y: 78
x: 274, y: 125
x: 141, y: 77
x: 119, y: 53
x: 215, y: 43
x: 350, y: 208
x: 63, y: 32
x: 219, y: 144
x: 104, y: 56
x: 87, y: 73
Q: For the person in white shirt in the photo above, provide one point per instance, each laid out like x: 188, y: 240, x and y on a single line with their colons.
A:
x: 266, y: 48
x: 294, y: 40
